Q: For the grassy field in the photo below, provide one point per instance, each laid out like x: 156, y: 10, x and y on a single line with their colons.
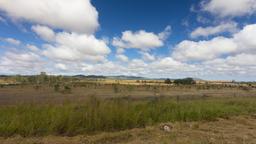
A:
x: 113, y: 111
x: 235, y: 130
x: 97, y: 115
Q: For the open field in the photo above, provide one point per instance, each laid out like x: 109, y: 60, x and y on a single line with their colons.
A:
x: 96, y: 115
x: 79, y: 91
x: 124, y: 111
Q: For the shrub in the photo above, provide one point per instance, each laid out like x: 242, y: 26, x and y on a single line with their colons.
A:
x: 67, y: 89
x: 168, y: 81
x: 186, y: 81
x: 56, y: 87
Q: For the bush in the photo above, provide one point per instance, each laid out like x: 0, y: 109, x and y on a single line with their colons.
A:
x: 56, y: 87
x: 168, y: 81
x: 186, y: 81
x: 67, y: 89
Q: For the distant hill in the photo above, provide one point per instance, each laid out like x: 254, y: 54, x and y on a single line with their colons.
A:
x: 124, y: 77
x: 90, y: 76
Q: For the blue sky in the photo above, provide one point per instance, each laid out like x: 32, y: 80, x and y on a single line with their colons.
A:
x: 209, y: 39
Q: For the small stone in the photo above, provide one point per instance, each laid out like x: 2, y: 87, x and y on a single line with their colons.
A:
x: 167, y: 128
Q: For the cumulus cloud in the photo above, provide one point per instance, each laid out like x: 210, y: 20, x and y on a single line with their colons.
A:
x: 231, y: 8
x: 166, y: 33
x: 12, y: 41
x: 141, y: 39
x: 120, y: 50
x: 167, y: 63
x: 32, y: 48
x: 244, y: 60
x: 61, y: 66
x: 204, y: 50
x: 240, y: 65
x: 22, y: 63
x: 73, y: 45
x: 241, y: 42
x: 44, y: 32
x: 76, y: 15
x: 245, y: 39
x: 147, y: 57
x: 218, y: 57
x: 165, y: 67
x: 76, y: 47
x: 122, y: 57
x: 214, y: 30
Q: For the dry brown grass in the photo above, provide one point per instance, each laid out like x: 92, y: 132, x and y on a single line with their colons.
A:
x: 79, y: 92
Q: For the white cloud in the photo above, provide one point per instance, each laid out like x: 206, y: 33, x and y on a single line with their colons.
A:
x: 20, y: 63
x: 245, y: 39
x: 122, y: 57
x: 241, y: 42
x: 242, y: 60
x: 32, y: 48
x: 204, y: 50
x: 141, y: 39
x: 12, y: 41
x: 76, y: 15
x: 224, y: 8
x: 61, y: 66
x: 232, y: 67
x: 44, y: 32
x: 147, y: 57
x: 76, y: 47
x: 166, y: 33
x: 120, y: 50
x: 106, y: 68
x: 167, y: 63
x: 208, y: 31
x: 238, y: 65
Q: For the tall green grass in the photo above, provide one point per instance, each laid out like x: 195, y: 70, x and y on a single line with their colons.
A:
x: 110, y: 115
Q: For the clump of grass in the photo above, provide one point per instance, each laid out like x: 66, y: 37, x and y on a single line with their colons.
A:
x: 110, y: 115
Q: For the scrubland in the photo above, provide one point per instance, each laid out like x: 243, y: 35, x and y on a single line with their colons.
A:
x: 112, y: 112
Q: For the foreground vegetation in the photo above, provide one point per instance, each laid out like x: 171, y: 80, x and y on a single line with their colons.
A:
x: 235, y: 130
x: 96, y: 115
